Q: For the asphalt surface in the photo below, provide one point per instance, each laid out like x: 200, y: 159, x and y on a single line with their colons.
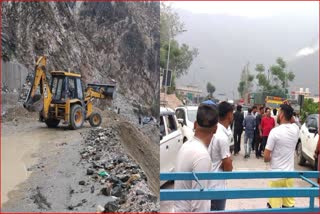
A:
x: 250, y: 164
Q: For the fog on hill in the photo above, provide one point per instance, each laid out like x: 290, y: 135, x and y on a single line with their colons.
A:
x: 227, y: 43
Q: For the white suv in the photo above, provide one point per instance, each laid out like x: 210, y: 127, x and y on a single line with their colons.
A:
x: 308, y: 140
x: 186, y: 116
x: 170, y: 139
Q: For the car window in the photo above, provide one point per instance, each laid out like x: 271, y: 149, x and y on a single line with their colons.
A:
x: 171, y: 123
x: 192, y: 115
x: 312, y: 122
x: 162, y: 127
x: 181, y: 115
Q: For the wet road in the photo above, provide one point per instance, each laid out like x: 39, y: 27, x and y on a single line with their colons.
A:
x: 20, y: 146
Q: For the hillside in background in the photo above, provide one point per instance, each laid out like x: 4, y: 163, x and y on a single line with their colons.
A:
x: 100, y: 40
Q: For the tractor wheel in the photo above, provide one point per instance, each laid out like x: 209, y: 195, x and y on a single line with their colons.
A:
x: 52, y: 123
x: 76, y: 117
x: 95, y: 119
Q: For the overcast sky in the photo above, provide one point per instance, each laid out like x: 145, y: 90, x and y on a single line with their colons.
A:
x: 251, y: 9
x: 255, y: 10
x: 298, y: 38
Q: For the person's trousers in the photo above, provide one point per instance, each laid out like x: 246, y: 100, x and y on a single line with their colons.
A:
x: 281, y: 202
x: 257, y: 143
x: 247, y: 145
x: 263, y: 144
x: 237, y: 141
x: 253, y: 142
x: 218, y: 204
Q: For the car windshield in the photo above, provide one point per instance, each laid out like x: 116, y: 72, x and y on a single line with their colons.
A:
x: 192, y: 115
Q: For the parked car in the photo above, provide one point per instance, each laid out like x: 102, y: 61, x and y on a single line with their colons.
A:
x: 307, y: 143
x: 186, y: 116
x: 170, y: 140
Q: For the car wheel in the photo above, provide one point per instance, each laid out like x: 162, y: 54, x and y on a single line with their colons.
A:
x: 315, y: 166
x: 185, y: 139
x: 301, y: 159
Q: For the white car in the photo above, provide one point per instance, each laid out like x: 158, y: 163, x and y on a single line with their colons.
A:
x: 186, y: 116
x: 309, y: 137
x: 170, y: 140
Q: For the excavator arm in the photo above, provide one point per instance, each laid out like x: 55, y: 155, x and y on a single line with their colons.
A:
x: 39, y: 102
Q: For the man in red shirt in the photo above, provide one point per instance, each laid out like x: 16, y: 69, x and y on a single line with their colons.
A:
x: 267, y: 123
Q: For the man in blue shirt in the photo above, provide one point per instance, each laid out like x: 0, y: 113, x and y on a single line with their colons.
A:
x: 249, y: 123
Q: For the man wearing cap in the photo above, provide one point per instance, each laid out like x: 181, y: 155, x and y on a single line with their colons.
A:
x: 267, y: 123
x: 219, y: 150
x: 280, y: 151
x: 193, y: 156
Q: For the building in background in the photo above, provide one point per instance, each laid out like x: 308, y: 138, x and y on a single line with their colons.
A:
x: 306, y: 92
x: 189, y: 93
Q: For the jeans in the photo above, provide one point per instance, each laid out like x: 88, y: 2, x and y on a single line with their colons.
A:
x: 218, y: 204
x: 237, y: 140
x: 247, y: 146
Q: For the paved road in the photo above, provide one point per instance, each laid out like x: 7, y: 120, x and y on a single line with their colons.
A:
x: 251, y: 164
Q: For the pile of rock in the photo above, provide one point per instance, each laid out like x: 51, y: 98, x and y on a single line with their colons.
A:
x: 25, y: 88
x: 116, y: 174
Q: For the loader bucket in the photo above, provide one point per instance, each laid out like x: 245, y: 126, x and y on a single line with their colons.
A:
x: 34, y: 105
x: 107, y: 89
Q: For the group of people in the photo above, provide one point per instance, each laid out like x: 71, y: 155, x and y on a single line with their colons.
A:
x: 209, y: 150
x: 257, y: 125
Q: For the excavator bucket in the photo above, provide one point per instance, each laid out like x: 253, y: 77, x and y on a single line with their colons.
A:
x: 35, y: 104
x: 106, y: 89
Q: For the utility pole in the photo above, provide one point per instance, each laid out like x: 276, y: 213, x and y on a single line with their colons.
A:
x: 168, y: 59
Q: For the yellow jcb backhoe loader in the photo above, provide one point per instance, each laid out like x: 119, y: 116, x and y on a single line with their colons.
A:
x: 64, y: 99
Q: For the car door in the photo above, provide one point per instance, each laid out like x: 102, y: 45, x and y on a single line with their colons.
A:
x: 174, y: 139
x: 304, y: 133
x: 311, y: 138
x: 181, y: 114
x: 164, y: 146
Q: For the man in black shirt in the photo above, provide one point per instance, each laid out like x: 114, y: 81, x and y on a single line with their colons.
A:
x: 258, y: 138
x: 238, y: 129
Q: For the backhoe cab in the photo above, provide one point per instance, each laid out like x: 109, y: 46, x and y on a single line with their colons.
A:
x: 64, y: 98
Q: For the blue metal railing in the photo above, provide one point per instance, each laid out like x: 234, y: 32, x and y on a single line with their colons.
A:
x: 210, y: 194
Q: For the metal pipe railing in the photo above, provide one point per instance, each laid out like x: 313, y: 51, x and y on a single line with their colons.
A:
x: 211, y: 194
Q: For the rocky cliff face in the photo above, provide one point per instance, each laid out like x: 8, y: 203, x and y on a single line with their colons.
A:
x: 102, y: 40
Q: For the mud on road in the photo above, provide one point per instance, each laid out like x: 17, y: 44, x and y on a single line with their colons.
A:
x: 113, y: 168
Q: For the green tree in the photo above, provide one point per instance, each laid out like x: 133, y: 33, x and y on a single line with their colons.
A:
x: 181, y: 55
x: 279, y: 73
x: 279, y: 76
x: 246, y: 80
x: 210, y: 89
x: 309, y: 107
x: 180, y: 59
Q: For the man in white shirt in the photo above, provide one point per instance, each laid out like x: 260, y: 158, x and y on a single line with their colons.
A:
x: 219, y: 150
x: 193, y: 156
x: 280, y: 151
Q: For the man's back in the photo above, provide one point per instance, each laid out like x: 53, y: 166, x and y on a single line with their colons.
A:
x: 192, y: 157
x: 238, y: 120
x: 249, y: 123
x: 282, y: 142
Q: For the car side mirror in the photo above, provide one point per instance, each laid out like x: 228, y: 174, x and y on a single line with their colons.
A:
x: 313, y: 130
x: 180, y: 120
